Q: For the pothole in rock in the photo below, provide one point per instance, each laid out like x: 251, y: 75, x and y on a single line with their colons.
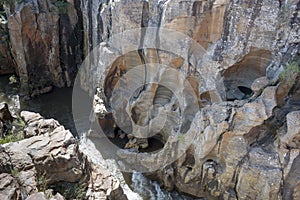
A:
x: 145, y: 101
x: 239, y: 77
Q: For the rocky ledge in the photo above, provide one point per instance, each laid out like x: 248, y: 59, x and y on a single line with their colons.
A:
x: 49, y: 165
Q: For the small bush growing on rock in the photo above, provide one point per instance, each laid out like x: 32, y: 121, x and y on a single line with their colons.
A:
x: 62, y: 6
x: 181, y: 138
x: 12, y: 138
x: 15, y: 173
x: 292, y: 70
x: 13, y: 79
x: 42, y: 182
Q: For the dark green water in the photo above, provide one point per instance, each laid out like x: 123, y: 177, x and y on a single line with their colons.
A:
x: 56, y: 104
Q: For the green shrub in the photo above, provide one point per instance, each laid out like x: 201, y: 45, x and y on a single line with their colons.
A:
x: 15, y: 173
x: 62, y: 6
x: 181, y: 137
x: 12, y: 138
x: 292, y: 70
x: 14, y: 134
x: 13, y: 79
x: 42, y: 182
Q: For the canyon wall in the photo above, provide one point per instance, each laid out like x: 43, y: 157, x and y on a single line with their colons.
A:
x: 239, y: 58
x: 44, y: 43
x: 244, y: 109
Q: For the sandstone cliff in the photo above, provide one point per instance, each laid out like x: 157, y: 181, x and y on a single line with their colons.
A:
x: 239, y: 78
x: 44, y: 43
x: 239, y: 58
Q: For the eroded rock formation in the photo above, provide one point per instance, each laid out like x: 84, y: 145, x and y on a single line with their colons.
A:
x: 215, y: 71
x: 50, y: 155
x: 43, y: 46
x: 244, y: 145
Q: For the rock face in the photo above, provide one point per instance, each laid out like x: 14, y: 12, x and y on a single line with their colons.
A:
x: 9, y: 187
x: 47, y: 157
x: 244, y: 121
x: 43, y: 55
x: 212, y: 74
x: 6, y: 61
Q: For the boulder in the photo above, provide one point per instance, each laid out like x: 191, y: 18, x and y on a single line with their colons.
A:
x: 49, y: 157
x: 36, y: 125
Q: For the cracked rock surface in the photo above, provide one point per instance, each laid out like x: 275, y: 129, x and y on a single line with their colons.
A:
x: 51, y: 154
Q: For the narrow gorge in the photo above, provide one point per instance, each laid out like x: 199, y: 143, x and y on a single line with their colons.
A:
x: 163, y: 99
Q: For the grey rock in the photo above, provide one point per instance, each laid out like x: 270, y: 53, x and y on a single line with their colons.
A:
x: 292, y: 137
x: 54, y: 155
x: 37, y: 196
x: 9, y: 187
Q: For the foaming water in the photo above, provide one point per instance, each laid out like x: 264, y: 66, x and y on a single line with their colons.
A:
x: 151, y: 190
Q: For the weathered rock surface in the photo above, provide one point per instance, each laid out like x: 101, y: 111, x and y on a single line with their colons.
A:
x: 50, y: 155
x: 246, y: 125
x: 44, y: 44
x: 9, y: 187
x: 6, y: 61
x: 45, y: 196
x: 292, y: 137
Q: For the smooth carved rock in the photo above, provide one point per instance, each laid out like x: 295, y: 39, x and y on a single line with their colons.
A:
x: 254, y: 113
x: 217, y: 158
x: 239, y: 37
x: 259, y: 84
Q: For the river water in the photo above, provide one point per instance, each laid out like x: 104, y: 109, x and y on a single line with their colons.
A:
x: 58, y: 105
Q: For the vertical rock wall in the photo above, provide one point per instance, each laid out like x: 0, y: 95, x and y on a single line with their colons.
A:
x: 236, y: 153
x: 245, y: 146
x: 45, y: 43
